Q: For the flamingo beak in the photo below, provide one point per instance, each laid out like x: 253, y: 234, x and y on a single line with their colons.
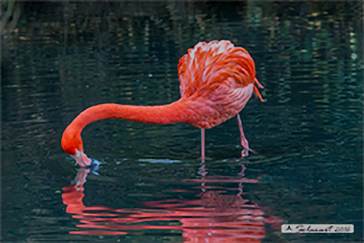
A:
x: 82, y: 159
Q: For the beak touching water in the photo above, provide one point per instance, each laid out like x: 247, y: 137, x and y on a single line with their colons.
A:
x: 82, y: 159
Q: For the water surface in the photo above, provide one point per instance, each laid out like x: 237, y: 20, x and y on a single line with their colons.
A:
x: 152, y: 186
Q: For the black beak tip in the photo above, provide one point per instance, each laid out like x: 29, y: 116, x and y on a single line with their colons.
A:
x: 94, y: 166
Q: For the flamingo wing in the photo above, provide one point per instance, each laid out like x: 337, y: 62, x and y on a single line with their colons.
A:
x: 216, y: 79
x: 208, y: 64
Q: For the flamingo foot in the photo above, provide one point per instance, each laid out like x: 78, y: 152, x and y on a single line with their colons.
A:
x: 244, y: 141
x: 245, y: 152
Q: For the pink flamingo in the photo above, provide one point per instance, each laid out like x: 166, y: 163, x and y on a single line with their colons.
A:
x: 216, y: 81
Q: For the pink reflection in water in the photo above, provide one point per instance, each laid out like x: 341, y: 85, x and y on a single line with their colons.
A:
x: 213, y: 217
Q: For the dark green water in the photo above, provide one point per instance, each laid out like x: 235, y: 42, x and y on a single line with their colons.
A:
x: 60, y: 58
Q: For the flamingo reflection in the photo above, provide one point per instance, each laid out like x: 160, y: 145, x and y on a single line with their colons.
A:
x: 215, y: 216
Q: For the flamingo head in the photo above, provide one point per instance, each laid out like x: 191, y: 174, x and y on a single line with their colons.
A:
x: 72, y: 145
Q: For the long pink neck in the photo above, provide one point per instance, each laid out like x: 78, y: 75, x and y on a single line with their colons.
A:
x: 163, y: 114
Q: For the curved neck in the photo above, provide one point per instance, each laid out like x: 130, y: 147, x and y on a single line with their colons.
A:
x: 163, y: 114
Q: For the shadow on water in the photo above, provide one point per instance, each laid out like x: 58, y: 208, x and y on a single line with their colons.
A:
x: 218, y: 213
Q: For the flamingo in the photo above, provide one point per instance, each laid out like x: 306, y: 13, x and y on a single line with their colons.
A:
x: 216, y: 81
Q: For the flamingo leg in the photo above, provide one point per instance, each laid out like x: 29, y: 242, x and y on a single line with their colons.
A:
x: 202, y: 145
x: 203, y: 172
x: 244, y: 141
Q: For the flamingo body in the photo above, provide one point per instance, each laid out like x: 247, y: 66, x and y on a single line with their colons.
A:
x: 216, y: 81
